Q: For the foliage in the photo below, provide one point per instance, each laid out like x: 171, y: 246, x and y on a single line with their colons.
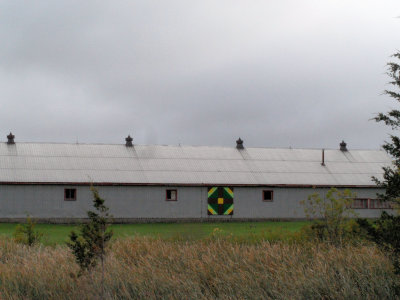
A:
x: 391, y: 176
x: 89, y: 245
x: 26, y: 233
x: 144, y: 268
x: 316, y: 232
x: 330, y: 213
x: 385, y: 231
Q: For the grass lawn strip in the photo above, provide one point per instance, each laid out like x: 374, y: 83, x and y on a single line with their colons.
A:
x: 58, y: 233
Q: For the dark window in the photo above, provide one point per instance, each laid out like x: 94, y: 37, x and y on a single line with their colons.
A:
x: 172, y: 195
x: 377, y: 203
x: 268, y: 195
x: 360, y: 203
x: 364, y: 203
x: 70, y: 194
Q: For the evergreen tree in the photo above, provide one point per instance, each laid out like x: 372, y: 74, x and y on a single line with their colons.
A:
x: 391, y: 175
x: 89, y: 245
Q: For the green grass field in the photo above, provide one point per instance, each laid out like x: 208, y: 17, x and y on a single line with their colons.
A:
x: 58, y: 234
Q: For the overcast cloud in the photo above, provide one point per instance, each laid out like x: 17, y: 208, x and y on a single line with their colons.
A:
x: 276, y: 73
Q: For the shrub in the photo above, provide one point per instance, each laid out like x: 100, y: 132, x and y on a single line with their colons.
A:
x: 331, y: 215
x: 385, y: 232
x: 351, y: 232
x: 26, y: 233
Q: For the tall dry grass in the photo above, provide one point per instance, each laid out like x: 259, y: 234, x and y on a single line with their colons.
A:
x: 144, y: 268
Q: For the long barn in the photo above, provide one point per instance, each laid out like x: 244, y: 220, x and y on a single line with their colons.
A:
x: 51, y: 181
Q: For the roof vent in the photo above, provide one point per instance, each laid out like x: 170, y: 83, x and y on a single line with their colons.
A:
x: 239, y: 144
x: 129, y: 141
x: 343, y: 146
x: 10, y: 139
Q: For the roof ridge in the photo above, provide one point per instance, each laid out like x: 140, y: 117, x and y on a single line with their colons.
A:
x: 195, y: 146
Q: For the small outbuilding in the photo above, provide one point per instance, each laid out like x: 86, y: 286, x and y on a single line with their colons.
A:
x: 164, y: 183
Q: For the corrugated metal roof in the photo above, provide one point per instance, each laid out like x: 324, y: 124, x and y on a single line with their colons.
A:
x: 155, y: 164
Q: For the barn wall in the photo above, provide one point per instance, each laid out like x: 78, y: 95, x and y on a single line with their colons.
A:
x: 286, y: 203
x: 148, y: 202
x: 16, y: 201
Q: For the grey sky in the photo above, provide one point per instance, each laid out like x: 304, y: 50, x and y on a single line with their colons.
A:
x: 275, y: 73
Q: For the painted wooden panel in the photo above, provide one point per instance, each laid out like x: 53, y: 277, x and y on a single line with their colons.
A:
x: 220, y: 200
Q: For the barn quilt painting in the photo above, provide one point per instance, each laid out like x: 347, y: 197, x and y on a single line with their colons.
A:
x: 220, y: 200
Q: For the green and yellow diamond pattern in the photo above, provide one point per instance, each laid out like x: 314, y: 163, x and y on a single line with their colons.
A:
x: 220, y: 201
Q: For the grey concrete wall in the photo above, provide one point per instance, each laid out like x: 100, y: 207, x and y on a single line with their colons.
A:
x: 148, y: 202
